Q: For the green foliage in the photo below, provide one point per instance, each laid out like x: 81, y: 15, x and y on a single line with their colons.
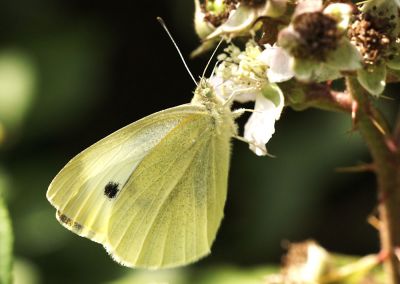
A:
x: 6, y: 245
x: 218, y: 275
x: 95, y: 71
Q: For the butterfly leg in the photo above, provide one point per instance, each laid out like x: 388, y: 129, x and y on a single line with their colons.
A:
x: 235, y: 93
x: 238, y: 112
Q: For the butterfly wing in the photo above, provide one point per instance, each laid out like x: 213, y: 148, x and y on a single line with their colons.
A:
x: 77, y: 191
x: 168, y: 198
x: 169, y: 211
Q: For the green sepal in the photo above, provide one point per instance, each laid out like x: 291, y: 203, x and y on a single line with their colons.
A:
x: 394, y: 63
x: 346, y: 57
x: 373, y: 80
x: 273, y: 93
x: 303, y: 69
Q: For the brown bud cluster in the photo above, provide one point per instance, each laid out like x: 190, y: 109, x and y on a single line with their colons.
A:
x: 318, y: 35
x: 217, y: 19
x: 253, y: 3
x: 371, y: 34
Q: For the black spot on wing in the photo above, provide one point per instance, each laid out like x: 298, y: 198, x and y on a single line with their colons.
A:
x: 111, y: 189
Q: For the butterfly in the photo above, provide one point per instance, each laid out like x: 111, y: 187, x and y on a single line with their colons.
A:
x: 153, y: 192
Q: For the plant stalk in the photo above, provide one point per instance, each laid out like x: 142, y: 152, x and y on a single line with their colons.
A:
x: 386, y: 159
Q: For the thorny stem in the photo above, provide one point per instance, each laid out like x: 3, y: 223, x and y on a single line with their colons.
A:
x: 396, y: 131
x: 386, y: 159
x: 384, y: 148
x: 302, y: 96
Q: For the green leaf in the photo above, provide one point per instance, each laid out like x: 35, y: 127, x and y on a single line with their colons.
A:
x: 373, y: 80
x: 6, y: 242
x: 17, y: 86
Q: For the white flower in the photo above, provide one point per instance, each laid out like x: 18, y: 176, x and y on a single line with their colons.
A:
x: 278, y: 62
x: 317, y: 43
x: 243, y: 19
x: 242, y: 75
x: 261, y: 124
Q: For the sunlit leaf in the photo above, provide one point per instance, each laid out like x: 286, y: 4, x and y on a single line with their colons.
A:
x: 6, y: 242
x: 17, y: 82
x: 24, y: 272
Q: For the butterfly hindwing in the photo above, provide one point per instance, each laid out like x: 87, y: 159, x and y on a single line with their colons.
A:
x: 169, y: 211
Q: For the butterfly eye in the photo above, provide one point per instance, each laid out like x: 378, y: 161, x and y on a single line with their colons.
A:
x: 111, y: 189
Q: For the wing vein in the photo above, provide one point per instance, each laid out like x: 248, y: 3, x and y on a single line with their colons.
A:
x: 165, y: 243
x: 214, y: 184
x: 141, y: 193
x: 164, y: 200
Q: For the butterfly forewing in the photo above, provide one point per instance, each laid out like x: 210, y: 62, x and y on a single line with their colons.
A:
x: 78, y: 191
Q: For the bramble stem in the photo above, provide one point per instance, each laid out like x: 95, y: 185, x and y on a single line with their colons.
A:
x: 386, y: 159
x: 301, y: 96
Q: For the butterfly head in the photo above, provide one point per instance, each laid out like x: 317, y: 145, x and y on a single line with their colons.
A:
x: 206, y: 95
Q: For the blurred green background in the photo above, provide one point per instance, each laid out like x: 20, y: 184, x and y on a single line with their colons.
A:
x: 72, y: 72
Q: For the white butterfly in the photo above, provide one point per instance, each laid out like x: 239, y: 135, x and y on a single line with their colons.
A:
x: 153, y: 192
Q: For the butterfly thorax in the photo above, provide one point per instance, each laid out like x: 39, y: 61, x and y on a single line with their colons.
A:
x: 218, y: 108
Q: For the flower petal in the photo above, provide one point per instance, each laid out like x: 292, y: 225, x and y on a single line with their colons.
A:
x: 341, y: 12
x: 288, y: 39
x: 224, y: 89
x: 246, y: 95
x: 308, y: 6
x: 243, y: 19
x: 278, y: 62
x: 239, y: 20
x: 275, y: 8
x: 217, y: 83
x: 202, y: 27
x: 261, y: 124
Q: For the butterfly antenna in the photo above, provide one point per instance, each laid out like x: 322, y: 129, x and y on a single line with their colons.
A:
x: 211, y: 57
x: 162, y: 23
